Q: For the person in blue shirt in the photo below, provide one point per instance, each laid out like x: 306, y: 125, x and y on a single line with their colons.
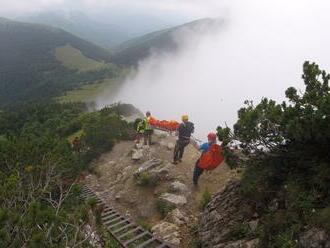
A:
x: 212, y: 139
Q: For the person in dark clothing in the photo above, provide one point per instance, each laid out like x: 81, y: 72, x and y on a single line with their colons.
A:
x: 76, y: 144
x: 185, y: 130
x: 198, y: 171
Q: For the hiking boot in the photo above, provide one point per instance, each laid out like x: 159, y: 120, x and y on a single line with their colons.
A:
x: 174, y: 162
x: 180, y: 160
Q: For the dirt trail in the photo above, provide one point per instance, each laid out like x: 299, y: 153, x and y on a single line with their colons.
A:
x: 113, y: 180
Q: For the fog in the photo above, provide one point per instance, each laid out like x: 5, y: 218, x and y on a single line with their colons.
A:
x: 258, y: 50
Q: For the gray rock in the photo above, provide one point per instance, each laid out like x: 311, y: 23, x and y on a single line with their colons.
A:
x: 240, y: 244
x: 148, y: 165
x: 163, y: 143
x: 170, y: 146
x: 314, y: 238
x: 163, y: 172
x: 176, y: 217
x: 222, y: 212
x: 92, y: 236
x: 125, y: 171
x: 137, y: 154
x: 139, y: 145
x: 118, y: 196
x: 178, y: 187
x: 169, y: 232
x: 173, y: 199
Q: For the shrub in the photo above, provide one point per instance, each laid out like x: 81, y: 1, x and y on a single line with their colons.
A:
x: 285, y: 240
x: 287, y: 157
x: 110, y: 242
x: 206, y: 198
x: 240, y: 230
x: 144, y: 224
x: 163, y: 207
x: 92, y: 202
x: 146, y: 179
x: 322, y: 219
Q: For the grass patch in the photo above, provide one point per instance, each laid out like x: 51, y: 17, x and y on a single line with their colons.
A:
x: 144, y: 224
x: 92, y: 202
x: 109, y: 241
x: 285, y: 240
x: 240, y: 230
x: 72, y: 58
x: 145, y: 179
x: 323, y: 219
x: 163, y: 207
x: 90, y: 92
x: 206, y: 198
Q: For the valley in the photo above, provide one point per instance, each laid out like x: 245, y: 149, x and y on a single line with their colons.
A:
x: 245, y: 79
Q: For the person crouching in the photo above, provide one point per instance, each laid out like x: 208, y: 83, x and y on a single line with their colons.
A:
x: 198, y: 171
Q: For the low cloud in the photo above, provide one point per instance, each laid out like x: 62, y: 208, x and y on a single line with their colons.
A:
x: 258, y: 51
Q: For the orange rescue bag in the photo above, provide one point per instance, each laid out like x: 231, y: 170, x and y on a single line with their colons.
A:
x: 212, y: 158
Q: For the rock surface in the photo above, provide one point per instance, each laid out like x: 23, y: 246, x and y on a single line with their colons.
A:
x: 170, y: 146
x: 137, y: 154
x: 220, y: 215
x: 314, y: 238
x: 176, y: 217
x: 240, y: 244
x: 178, y: 187
x: 173, y: 199
x: 168, y: 232
x: 148, y: 165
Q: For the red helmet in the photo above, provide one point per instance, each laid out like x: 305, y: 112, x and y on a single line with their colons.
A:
x: 212, y: 137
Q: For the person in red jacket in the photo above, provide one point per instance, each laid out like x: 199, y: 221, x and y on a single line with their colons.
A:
x: 198, y: 171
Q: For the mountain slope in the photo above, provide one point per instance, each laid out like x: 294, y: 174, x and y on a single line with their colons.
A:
x: 132, y: 51
x: 29, y: 69
x: 79, y: 24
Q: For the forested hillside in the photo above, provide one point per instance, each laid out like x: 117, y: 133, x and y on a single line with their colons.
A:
x: 40, y: 171
x: 29, y: 69
x: 131, y: 52
x: 77, y: 23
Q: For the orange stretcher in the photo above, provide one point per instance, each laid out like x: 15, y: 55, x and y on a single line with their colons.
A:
x: 166, y: 125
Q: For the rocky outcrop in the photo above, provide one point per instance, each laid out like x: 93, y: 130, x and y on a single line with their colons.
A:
x: 173, y: 199
x: 178, y: 187
x: 168, y: 232
x: 154, y: 169
x: 221, y: 216
x: 148, y: 165
x: 314, y: 238
x: 137, y: 154
x: 176, y: 217
x: 254, y: 243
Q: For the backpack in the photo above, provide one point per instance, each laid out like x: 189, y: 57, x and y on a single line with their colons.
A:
x: 212, y: 158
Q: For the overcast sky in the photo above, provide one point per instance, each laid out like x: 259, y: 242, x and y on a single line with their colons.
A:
x: 258, y: 52
x: 192, y: 7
